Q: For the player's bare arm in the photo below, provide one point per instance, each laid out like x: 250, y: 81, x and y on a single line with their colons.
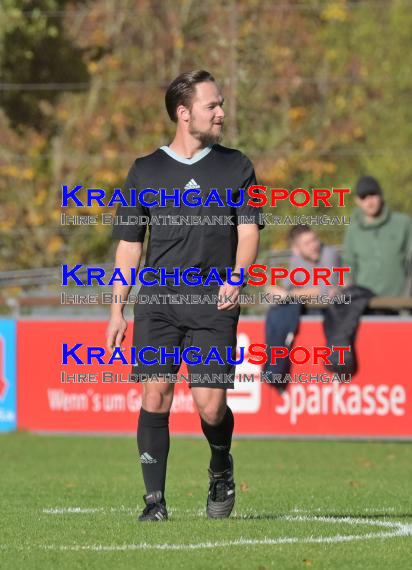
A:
x: 128, y: 255
x: 246, y: 253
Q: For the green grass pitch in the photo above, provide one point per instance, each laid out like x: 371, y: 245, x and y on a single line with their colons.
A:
x: 71, y: 502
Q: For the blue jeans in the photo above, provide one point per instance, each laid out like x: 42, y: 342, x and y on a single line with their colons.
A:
x: 282, y: 322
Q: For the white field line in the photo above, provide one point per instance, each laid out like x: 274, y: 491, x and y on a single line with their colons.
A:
x: 248, y: 513
x: 86, y: 511
x: 397, y: 529
x: 110, y: 510
x: 381, y: 510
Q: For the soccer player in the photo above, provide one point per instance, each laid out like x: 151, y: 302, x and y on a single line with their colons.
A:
x: 193, y: 161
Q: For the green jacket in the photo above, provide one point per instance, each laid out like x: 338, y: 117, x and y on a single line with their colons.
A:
x: 378, y: 253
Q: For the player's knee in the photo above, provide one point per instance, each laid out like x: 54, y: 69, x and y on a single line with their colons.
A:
x: 212, y: 415
x: 155, y: 401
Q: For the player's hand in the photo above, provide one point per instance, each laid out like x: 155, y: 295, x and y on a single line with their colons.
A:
x: 115, y: 332
x: 229, y: 295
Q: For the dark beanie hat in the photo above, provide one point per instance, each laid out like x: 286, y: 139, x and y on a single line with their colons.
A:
x: 368, y: 185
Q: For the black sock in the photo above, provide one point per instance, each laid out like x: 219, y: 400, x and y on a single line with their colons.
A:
x: 220, y: 439
x: 153, y: 441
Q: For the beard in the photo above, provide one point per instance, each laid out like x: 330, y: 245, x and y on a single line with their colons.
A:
x: 206, y: 138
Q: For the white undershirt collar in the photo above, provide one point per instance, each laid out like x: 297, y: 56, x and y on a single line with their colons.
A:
x: 198, y: 156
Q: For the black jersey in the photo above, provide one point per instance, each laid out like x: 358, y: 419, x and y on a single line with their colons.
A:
x: 173, y: 241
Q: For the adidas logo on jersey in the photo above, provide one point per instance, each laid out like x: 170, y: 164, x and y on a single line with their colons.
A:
x: 147, y: 458
x: 192, y: 184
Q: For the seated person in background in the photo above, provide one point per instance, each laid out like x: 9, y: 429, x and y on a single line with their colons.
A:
x: 377, y: 242
x: 282, y: 321
x: 308, y: 252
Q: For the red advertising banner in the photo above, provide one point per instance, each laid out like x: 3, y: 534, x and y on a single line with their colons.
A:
x: 375, y: 403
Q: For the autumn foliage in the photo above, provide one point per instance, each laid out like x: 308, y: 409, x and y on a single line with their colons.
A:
x: 317, y: 94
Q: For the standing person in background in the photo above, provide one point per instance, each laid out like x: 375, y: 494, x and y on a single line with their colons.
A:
x: 377, y: 243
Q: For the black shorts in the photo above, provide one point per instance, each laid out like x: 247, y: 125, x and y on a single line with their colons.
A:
x: 183, y: 325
